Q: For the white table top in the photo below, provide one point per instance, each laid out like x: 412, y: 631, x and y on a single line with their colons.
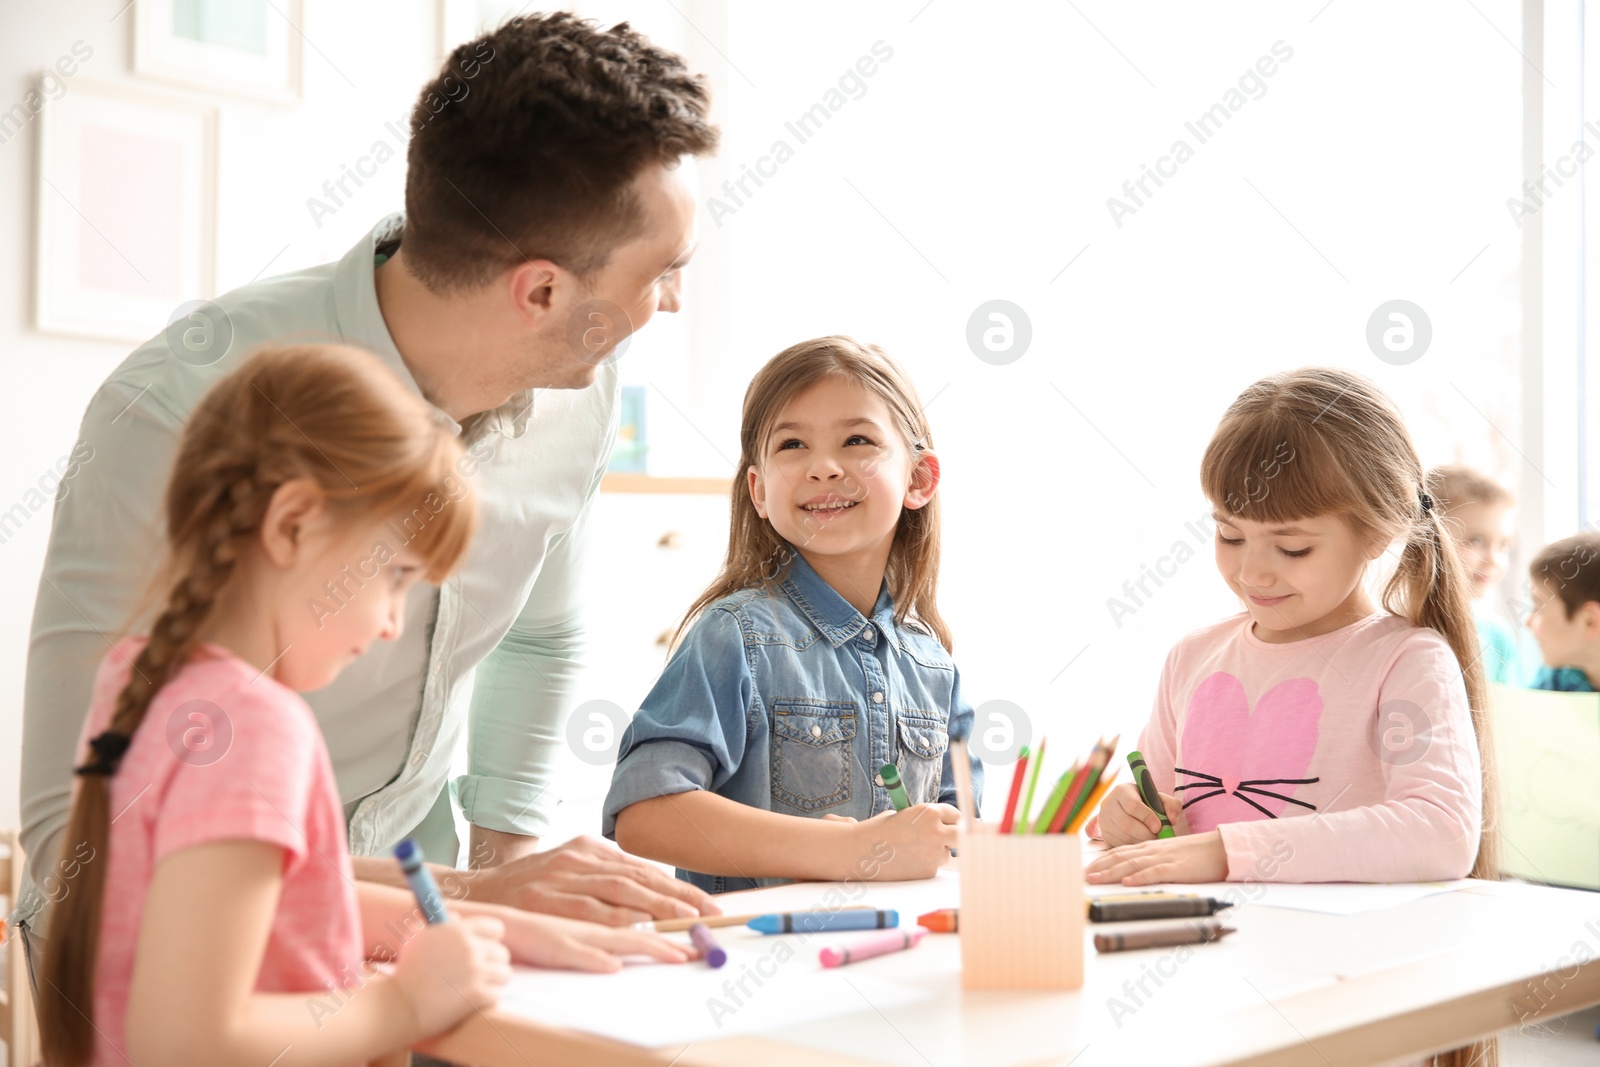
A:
x: 1382, y: 985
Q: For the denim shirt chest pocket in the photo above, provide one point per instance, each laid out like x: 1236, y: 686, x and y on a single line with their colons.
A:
x: 924, y: 736
x: 812, y: 742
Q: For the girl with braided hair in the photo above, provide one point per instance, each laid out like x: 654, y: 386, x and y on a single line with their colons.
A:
x: 207, y: 912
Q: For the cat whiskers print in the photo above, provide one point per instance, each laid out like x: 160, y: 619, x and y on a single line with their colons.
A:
x: 1217, y: 789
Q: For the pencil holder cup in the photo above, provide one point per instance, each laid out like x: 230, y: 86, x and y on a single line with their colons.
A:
x: 1022, y: 911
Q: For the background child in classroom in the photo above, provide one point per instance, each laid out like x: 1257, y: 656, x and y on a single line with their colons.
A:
x: 1316, y: 737
x: 817, y: 656
x: 1565, y: 619
x: 1481, y: 514
x: 208, y: 912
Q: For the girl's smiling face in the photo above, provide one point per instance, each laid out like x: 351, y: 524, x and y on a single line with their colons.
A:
x: 1299, y: 578
x: 835, y: 472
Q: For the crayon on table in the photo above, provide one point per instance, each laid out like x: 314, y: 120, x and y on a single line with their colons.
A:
x: 1188, y: 934
x: 1148, y: 792
x: 948, y: 920
x: 812, y: 922
x: 678, y: 926
x: 421, y: 879
x: 890, y: 776
x: 1116, y: 911
x: 714, y: 955
x: 868, y: 947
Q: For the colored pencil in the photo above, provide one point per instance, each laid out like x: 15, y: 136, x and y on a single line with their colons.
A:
x: 1017, y: 772
x: 961, y: 765
x: 1057, y: 793
x: 1096, y: 765
x: 1023, y: 818
x: 1086, y: 812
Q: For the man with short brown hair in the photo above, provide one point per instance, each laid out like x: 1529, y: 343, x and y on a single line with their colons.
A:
x: 548, y: 217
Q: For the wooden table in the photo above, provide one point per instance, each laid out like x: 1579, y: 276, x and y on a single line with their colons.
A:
x: 1292, y: 987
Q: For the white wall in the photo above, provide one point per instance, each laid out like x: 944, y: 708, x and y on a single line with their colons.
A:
x: 978, y: 164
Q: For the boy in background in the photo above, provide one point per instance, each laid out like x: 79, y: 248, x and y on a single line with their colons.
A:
x: 1566, y: 614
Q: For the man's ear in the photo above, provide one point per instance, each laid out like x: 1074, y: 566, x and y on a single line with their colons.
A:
x: 297, y: 506
x: 758, y: 490
x: 924, y: 480
x: 532, y: 287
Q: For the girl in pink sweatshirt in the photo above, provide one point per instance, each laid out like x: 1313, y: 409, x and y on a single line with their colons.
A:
x: 1317, y: 737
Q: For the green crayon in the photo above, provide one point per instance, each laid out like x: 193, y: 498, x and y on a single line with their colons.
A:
x: 1148, y: 792
x: 897, y: 792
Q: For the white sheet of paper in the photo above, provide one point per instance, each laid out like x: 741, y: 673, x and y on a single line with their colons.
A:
x: 1340, y: 898
x: 657, y: 1004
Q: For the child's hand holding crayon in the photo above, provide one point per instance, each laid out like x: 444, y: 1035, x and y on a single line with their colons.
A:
x: 1125, y: 819
x: 903, y: 845
x: 449, y: 970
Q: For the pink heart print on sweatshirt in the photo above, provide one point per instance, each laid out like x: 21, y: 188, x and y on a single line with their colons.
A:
x: 1239, y: 766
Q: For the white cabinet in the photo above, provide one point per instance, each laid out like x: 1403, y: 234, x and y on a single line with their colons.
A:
x: 651, y: 553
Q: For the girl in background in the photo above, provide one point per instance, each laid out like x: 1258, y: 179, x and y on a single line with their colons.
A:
x: 1481, y: 514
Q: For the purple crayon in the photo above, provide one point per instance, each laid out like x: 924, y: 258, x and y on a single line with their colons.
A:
x: 700, y: 934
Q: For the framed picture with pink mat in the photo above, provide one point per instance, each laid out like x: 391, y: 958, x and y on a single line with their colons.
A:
x: 125, y: 210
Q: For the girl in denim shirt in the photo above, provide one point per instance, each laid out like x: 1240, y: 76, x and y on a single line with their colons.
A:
x: 816, y: 657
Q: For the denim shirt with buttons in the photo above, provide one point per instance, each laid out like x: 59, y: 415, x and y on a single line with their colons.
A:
x: 785, y: 697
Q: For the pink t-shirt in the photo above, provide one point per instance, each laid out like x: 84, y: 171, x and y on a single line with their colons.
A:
x: 1347, y: 757
x: 224, y: 753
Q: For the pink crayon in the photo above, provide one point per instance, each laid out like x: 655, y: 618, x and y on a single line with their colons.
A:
x: 868, y: 947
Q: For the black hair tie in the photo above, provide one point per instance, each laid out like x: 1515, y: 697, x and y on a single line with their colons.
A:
x: 1427, y: 502
x: 108, y: 751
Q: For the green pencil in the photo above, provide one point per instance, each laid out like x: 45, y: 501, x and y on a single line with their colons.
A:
x: 1057, y: 795
x: 1022, y: 823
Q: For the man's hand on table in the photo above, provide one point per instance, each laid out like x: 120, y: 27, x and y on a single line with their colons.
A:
x: 587, y: 879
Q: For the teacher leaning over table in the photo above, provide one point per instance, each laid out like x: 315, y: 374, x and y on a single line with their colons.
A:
x: 547, y: 217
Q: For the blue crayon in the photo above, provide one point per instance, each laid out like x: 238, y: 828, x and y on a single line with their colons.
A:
x: 421, y: 879
x: 814, y: 922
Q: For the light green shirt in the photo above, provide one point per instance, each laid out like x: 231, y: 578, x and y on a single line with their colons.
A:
x: 509, y: 618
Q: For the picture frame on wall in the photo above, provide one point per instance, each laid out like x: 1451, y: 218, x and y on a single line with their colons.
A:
x: 632, y: 449
x: 125, y: 210
x: 250, y: 48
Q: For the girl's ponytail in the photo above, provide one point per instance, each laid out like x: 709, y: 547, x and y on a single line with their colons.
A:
x: 1429, y: 587
x: 68, y: 969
